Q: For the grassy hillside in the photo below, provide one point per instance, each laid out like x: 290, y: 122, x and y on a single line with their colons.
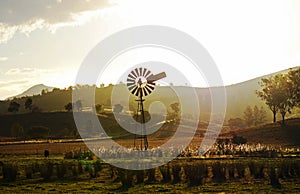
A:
x: 273, y: 133
x: 58, y: 122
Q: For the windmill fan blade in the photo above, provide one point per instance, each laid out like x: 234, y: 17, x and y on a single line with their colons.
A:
x: 147, y: 74
x: 148, y: 89
x: 141, y: 71
x: 145, y: 69
x: 137, y: 72
x: 151, y: 85
x: 131, y: 76
x: 153, y: 78
x: 145, y: 92
x: 134, y: 90
x: 135, y: 76
x: 130, y: 87
x: 139, y: 92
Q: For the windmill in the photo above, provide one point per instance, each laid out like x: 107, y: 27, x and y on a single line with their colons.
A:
x: 140, y: 82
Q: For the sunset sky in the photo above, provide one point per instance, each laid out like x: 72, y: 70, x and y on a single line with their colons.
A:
x: 45, y: 41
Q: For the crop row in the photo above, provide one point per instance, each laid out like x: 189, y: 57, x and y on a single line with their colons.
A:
x: 193, y: 173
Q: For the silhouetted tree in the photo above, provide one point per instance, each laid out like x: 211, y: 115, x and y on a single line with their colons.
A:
x: 176, y: 110
x: 13, y: 107
x: 259, y: 115
x: 248, y: 116
x: 69, y: 106
x: 118, y: 108
x: 294, y: 77
x: 79, y: 105
x: 28, y: 103
x: 98, y: 108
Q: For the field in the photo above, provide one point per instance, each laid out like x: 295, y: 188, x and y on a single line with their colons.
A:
x: 268, y: 163
x: 254, y: 169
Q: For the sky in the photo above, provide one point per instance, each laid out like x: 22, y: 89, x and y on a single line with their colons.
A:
x: 46, y: 41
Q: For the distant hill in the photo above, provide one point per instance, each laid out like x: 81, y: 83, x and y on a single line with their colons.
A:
x: 34, y: 90
x: 239, y: 96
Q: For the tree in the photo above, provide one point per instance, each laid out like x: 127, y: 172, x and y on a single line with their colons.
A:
x: 118, y: 108
x: 286, y: 102
x: 176, y: 110
x: 44, y: 91
x: 276, y: 92
x: 69, y: 106
x: 13, y: 107
x: 259, y: 115
x: 98, y: 108
x: 248, y: 116
x: 294, y: 77
x: 269, y: 94
x: 79, y: 105
x: 28, y: 103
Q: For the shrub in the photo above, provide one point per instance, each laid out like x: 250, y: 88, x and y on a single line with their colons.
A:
x: 28, y: 172
x: 140, y: 176
x: 274, y: 179
x: 196, y: 173
x: 9, y: 172
x: 165, y: 171
x: 46, y: 170
x: 150, y: 173
x: 240, y: 169
x: 219, y: 172
x: 176, y: 173
x: 256, y: 169
x: 126, y: 178
x: 239, y: 140
x: 61, y: 170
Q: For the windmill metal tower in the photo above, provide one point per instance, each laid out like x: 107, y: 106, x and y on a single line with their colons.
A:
x: 140, y: 82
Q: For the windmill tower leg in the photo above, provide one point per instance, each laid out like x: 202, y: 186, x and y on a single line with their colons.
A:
x: 142, y: 136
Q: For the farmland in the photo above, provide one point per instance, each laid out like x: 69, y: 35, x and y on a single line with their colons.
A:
x: 226, y: 167
x: 256, y: 168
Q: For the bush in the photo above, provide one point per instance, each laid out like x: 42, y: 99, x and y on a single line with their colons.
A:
x: 61, y: 170
x: 274, y: 179
x: 256, y: 169
x: 46, y: 170
x: 239, y: 140
x: 150, y: 173
x: 9, y: 172
x: 165, y: 171
x: 126, y: 178
x: 176, y: 173
x: 219, y: 172
x: 195, y: 174
x: 28, y: 172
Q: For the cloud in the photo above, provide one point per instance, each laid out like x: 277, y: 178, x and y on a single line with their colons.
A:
x: 12, y: 83
x: 26, y: 16
x: 3, y: 59
x: 28, y: 71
